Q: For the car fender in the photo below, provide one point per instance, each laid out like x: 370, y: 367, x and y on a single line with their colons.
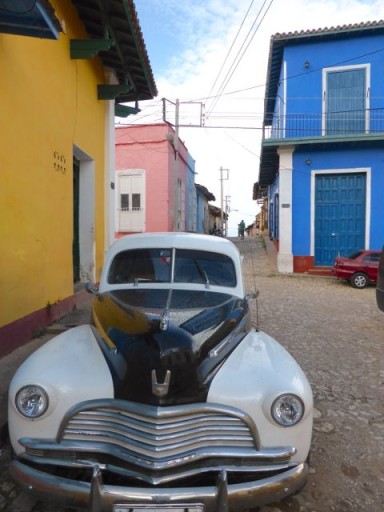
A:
x: 257, y: 372
x: 70, y: 368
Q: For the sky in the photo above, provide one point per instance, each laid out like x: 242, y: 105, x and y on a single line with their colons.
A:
x: 212, y: 56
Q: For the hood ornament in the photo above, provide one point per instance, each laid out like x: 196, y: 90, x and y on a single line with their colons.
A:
x: 158, y: 389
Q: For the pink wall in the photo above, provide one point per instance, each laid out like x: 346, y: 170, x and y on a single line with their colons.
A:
x: 146, y: 147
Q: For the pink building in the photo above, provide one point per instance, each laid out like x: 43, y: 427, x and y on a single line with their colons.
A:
x: 153, y: 175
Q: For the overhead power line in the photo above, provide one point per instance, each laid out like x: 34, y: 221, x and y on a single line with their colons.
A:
x: 240, y: 54
x: 230, y: 49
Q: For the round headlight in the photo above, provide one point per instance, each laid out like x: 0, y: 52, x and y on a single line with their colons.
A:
x: 287, y: 410
x: 31, y: 401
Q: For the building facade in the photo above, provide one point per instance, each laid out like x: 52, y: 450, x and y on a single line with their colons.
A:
x: 204, y: 222
x: 322, y: 150
x: 154, y: 180
x: 64, y: 82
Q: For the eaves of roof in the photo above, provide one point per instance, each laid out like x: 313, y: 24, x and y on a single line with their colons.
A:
x: 278, y: 42
x: 269, y: 165
x: 205, y: 192
x: 216, y: 212
x: 128, y: 58
x: 25, y: 18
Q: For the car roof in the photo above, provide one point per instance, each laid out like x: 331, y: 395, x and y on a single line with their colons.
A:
x: 179, y: 240
x: 364, y: 252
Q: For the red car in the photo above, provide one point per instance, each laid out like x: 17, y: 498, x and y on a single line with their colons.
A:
x: 360, y: 268
x: 380, y: 283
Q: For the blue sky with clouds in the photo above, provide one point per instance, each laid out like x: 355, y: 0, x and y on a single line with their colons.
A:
x: 178, y: 27
x: 215, y: 52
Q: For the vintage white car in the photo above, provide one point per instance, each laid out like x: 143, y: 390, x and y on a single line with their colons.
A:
x: 168, y: 401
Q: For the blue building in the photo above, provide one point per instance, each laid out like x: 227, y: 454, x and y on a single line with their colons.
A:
x: 322, y: 154
x: 203, y: 196
x: 190, y: 197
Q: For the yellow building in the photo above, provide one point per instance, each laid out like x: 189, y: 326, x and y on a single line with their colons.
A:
x: 67, y: 66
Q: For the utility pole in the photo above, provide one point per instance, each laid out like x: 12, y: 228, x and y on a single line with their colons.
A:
x: 176, y: 147
x: 174, y: 140
x: 227, y: 210
x: 222, y: 171
x: 178, y: 212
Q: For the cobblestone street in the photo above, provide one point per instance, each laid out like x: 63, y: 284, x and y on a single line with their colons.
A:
x: 336, y: 334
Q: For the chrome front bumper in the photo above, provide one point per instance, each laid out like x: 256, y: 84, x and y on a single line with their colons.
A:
x: 97, y: 497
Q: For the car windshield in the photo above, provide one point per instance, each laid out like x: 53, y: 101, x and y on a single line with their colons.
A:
x: 163, y: 265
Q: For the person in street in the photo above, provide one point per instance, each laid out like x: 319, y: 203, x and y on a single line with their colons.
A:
x: 241, y: 229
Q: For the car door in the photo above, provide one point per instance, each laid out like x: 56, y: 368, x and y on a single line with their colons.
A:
x: 372, y: 264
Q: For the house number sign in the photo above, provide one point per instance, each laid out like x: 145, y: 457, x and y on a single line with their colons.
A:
x: 59, y: 162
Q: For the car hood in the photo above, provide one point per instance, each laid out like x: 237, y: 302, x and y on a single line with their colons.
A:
x: 160, y: 344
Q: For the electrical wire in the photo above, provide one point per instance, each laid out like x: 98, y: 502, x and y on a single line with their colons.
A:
x: 230, y: 49
x: 298, y: 75
x: 238, y: 59
x: 237, y: 115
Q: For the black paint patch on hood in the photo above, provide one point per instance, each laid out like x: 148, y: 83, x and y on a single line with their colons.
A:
x: 157, y: 342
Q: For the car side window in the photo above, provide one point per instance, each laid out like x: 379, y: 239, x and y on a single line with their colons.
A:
x: 373, y: 257
x: 354, y: 255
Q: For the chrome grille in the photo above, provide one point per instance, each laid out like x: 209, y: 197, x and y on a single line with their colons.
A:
x: 157, y: 445
x: 156, y: 433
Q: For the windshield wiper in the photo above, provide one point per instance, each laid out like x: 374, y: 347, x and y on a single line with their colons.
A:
x: 140, y: 280
x: 164, y: 322
x: 202, y: 272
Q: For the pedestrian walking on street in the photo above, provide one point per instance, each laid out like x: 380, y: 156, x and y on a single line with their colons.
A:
x: 241, y: 229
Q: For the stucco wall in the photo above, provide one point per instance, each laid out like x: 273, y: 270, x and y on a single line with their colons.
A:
x: 367, y: 161
x: 146, y: 147
x: 301, y: 96
x: 306, y: 62
x: 49, y: 105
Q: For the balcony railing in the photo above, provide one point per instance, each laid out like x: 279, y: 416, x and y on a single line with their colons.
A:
x: 332, y: 124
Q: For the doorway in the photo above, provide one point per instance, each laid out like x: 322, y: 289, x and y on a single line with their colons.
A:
x: 340, y: 204
x: 76, y: 220
x: 83, y: 217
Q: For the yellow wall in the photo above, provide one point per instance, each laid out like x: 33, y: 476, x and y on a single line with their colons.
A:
x: 48, y: 104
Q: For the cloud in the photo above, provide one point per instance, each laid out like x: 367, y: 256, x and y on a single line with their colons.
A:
x: 197, y: 37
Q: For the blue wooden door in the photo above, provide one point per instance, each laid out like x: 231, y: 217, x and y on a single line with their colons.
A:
x: 276, y: 218
x: 339, y: 216
x: 346, y: 101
